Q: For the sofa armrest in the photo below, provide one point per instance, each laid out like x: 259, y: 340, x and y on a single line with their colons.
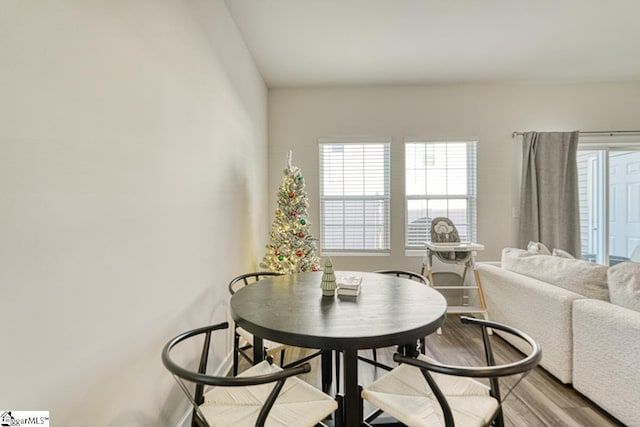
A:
x: 538, y: 308
x: 606, y: 357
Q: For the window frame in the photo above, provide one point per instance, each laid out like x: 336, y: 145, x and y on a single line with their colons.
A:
x: 604, y: 146
x: 386, y: 197
x: 471, y: 195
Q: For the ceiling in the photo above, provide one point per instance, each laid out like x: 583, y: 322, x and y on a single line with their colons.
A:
x: 300, y: 43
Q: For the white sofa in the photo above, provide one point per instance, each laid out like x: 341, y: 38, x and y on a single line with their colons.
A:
x: 606, y: 357
x: 564, y: 304
x: 535, y: 307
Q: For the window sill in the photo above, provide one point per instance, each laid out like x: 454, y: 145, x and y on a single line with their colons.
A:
x: 355, y: 253
x: 414, y: 252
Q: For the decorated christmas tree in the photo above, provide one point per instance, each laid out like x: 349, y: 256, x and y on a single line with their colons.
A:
x: 292, y: 247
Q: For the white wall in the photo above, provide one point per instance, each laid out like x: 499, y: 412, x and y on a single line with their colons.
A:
x: 133, y: 180
x: 297, y: 117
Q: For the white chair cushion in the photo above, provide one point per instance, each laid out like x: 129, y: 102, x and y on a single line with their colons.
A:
x: 298, y: 404
x: 404, y: 394
x: 271, y: 346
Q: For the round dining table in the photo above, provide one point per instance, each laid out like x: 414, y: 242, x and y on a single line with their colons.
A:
x: 291, y: 309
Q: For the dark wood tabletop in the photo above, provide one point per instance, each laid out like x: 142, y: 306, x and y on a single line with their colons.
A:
x: 292, y: 310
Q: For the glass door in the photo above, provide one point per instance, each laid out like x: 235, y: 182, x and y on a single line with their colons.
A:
x: 609, y: 188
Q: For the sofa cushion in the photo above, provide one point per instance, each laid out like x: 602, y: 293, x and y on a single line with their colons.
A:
x: 575, y: 275
x: 538, y: 248
x: 624, y: 285
x: 562, y: 253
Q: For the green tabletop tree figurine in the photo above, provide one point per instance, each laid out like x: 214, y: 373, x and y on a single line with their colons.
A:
x: 292, y: 247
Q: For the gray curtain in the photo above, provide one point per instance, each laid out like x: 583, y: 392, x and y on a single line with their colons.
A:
x: 549, y: 205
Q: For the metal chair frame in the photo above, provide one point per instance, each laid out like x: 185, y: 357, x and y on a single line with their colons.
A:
x: 201, y: 379
x: 234, y: 285
x: 491, y: 371
x: 408, y: 275
x: 245, y: 351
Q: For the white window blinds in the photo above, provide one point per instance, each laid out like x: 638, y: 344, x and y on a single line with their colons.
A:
x: 440, y: 180
x: 354, y: 196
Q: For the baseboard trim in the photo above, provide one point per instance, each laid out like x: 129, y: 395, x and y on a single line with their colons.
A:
x: 184, y: 421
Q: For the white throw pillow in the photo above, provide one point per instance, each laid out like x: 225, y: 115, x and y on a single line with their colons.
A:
x: 624, y: 285
x: 575, y: 275
x: 562, y: 253
x: 538, y: 248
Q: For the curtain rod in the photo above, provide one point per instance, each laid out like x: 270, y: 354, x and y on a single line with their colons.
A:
x: 594, y: 132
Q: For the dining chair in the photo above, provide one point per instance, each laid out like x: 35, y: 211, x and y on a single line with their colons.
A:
x: 242, y: 339
x: 424, y: 392
x: 263, y: 395
x: 407, y: 275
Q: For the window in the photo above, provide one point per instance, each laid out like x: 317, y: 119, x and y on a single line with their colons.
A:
x: 354, y: 196
x: 609, y: 189
x: 440, y: 180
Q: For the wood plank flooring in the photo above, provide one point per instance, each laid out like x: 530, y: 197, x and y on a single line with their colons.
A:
x: 539, y: 400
